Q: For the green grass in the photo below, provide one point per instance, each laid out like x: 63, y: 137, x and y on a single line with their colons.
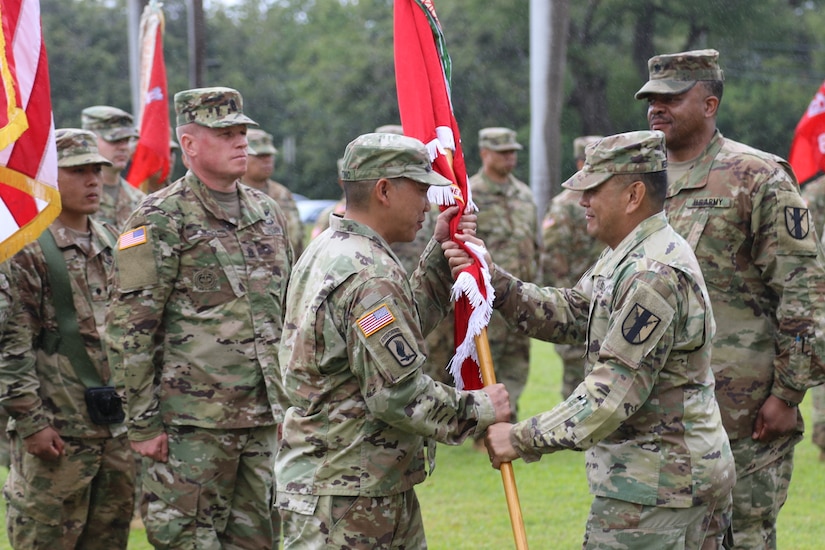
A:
x: 464, y: 506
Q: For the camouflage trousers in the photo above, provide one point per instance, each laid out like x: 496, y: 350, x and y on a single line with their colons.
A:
x: 5, y: 458
x: 357, y: 522
x: 618, y: 525
x: 82, y: 500
x: 511, y: 359
x: 572, y: 361
x: 818, y: 418
x: 763, y: 475
x: 215, y: 492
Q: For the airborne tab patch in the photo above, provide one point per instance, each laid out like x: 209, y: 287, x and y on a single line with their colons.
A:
x: 639, y: 324
x: 132, y: 238
x: 796, y: 222
x: 375, y: 320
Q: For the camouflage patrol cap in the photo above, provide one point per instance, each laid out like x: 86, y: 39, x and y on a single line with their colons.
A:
x: 580, y: 143
x: 629, y: 153
x: 498, y: 139
x: 76, y: 147
x: 677, y: 72
x: 110, y: 123
x: 375, y: 156
x: 215, y: 107
x: 260, y: 143
x: 390, y: 129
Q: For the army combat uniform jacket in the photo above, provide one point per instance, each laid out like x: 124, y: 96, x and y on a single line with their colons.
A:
x: 646, y: 411
x: 360, y: 407
x: 741, y: 212
x: 295, y: 229
x: 196, y: 312
x: 116, y: 209
x: 38, y: 385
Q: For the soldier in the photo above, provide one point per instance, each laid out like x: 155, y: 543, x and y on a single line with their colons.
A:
x: 658, y: 460
x: 360, y: 405
x: 814, y: 194
x: 741, y: 211
x: 259, y: 167
x: 507, y: 222
x: 71, y: 483
x: 5, y: 309
x: 115, y: 131
x: 193, y: 327
x: 567, y: 252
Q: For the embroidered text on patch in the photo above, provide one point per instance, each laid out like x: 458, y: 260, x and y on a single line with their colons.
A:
x: 375, y: 320
x: 132, y: 238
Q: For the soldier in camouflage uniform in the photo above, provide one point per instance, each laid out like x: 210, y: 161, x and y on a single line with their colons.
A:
x: 71, y: 483
x: 658, y: 460
x: 259, y: 167
x: 5, y: 309
x: 193, y: 329
x: 115, y: 131
x: 361, y: 407
x: 814, y: 194
x: 741, y: 211
x: 507, y: 222
x: 567, y: 252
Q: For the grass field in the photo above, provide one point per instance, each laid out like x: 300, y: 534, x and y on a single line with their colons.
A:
x: 464, y: 506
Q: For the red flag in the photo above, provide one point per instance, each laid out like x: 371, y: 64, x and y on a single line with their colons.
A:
x: 807, y: 156
x: 29, y: 200
x: 422, y: 76
x: 151, y: 158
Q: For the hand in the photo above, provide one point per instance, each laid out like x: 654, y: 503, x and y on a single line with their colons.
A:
x: 775, y: 419
x: 156, y: 448
x: 458, y: 258
x: 467, y: 224
x: 501, y: 401
x: 498, y: 444
x: 45, y: 444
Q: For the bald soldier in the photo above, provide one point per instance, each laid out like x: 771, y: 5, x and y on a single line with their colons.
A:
x: 259, y: 168
x: 567, y: 252
x: 361, y: 408
x: 658, y: 460
x: 193, y: 329
x: 71, y: 483
x: 115, y: 131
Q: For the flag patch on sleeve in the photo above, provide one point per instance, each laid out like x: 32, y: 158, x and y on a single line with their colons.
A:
x: 375, y: 320
x: 132, y: 238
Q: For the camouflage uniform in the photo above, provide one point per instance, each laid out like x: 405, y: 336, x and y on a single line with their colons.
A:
x: 507, y: 222
x: 322, y: 223
x: 814, y: 194
x: 567, y: 252
x: 740, y: 210
x: 192, y: 329
x: 84, y: 498
x: 645, y: 413
x: 260, y: 143
x: 113, y: 124
x: 352, y: 367
x: 5, y: 309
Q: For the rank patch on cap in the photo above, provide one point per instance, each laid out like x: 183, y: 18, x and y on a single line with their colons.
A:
x: 132, y: 238
x: 639, y: 324
x: 375, y: 320
x: 796, y: 222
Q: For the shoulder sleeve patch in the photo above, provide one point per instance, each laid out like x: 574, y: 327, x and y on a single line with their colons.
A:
x: 132, y: 238
x: 375, y: 320
x: 639, y: 324
x: 794, y: 232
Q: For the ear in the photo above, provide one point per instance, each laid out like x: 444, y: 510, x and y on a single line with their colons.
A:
x: 381, y: 191
x: 636, y: 193
x: 711, y: 106
x: 187, y: 145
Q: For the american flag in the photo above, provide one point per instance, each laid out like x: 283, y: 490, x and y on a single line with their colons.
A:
x: 132, y: 238
x: 375, y: 320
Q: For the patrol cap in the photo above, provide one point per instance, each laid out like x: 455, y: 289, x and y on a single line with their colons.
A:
x: 215, y: 107
x: 390, y: 129
x: 580, y: 143
x: 629, y: 153
x: 76, y: 147
x: 498, y: 139
x: 374, y: 156
x: 677, y: 72
x: 110, y: 123
x: 260, y: 142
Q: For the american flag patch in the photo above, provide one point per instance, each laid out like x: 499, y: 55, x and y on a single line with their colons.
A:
x: 375, y: 320
x: 132, y: 238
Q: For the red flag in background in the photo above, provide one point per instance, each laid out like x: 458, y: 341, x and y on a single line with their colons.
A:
x: 807, y: 156
x: 151, y: 158
x: 422, y: 76
x: 29, y: 200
